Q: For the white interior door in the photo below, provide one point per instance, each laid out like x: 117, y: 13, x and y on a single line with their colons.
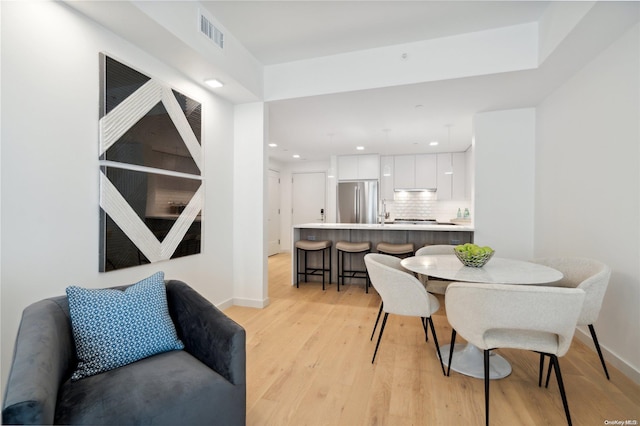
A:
x: 308, y: 198
x: 273, y: 243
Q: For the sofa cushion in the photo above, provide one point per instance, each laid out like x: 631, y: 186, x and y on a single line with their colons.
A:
x: 171, y: 388
x: 113, y: 328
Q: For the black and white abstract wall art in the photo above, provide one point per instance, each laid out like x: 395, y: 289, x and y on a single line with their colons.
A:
x: 151, y: 186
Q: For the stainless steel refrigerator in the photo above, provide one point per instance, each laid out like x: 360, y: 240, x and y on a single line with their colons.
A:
x: 358, y: 201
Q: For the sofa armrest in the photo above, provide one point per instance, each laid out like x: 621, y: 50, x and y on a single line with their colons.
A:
x: 207, y: 333
x: 43, y: 357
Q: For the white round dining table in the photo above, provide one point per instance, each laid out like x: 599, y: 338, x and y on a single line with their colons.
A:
x: 468, y: 359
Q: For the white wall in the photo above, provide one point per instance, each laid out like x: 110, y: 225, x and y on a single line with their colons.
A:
x: 588, y: 186
x: 483, y: 52
x: 50, y: 213
x: 286, y: 170
x: 503, y: 152
x: 250, y: 191
x: 557, y: 22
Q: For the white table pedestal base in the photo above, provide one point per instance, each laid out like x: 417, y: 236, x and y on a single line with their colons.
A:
x: 469, y: 360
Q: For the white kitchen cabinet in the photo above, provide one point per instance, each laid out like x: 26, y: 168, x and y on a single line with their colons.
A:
x: 415, y: 171
x: 458, y: 190
x: 426, y: 171
x: 347, y: 167
x: 404, y: 167
x: 445, y: 180
x: 386, y: 177
x: 451, y: 186
x: 351, y: 167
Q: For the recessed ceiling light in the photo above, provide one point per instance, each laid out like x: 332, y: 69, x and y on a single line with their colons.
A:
x: 433, y: 143
x: 273, y: 145
x: 296, y: 156
x: 212, y: 82
x: 360, y: 148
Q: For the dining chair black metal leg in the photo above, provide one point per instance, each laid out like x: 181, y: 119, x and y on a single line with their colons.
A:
x: 377, y: 319
x: 546, y: 383
x: 486, y: 386
x: 367, y: 282
x: 542, y: 359
x: 425, y: 328
x: 556, y: 366
x: 453, y: 344
x: 384, y: 321
x: 595, y: 341
x: 435, y: 341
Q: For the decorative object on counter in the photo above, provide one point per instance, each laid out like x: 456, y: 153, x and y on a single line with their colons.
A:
x: 467, y: 215
x: 459, y: 215
x: 473, y: 255
x: 151, y: 191
x: 460, y: 221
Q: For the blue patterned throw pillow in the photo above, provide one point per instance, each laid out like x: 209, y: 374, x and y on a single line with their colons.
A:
x: 112, y: 328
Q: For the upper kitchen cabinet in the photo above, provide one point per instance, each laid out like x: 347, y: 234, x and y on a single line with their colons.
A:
x: 458, y: 191
x: 451, y: 176
x: 386, y: 177
x: 356, y: 167
x: 404, y: 167
x: 426, y: 171
x: 415, y: 171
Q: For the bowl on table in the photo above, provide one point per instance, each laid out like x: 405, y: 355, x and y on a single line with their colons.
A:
x: 474, y: 259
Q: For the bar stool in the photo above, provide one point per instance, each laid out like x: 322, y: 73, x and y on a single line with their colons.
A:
x: 350, y: 248
x: 306, y: 246
x: 398, y: 250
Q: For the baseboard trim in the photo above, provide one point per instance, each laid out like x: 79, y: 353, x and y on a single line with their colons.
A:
x: 611, y: 358
x: 251, y: 303
x: 224, y: 305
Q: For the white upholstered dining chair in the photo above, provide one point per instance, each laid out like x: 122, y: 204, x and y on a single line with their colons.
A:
x: 435, y: 285
x: 534, y: 318
x: 590, y: 275
x: 402, y: 294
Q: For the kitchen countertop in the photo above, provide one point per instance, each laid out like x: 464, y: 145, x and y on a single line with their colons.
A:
x: 387, y: 226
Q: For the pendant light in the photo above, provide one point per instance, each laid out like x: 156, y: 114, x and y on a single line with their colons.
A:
x: 386, y: 170
x: 450, y: 170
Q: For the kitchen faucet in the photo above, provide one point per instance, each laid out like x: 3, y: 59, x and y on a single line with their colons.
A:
x: 385, y: 213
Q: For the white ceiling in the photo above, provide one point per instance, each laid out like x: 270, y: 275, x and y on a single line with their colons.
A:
x: 285, y: 31
x: 391, y: 120
x: 386, y: 120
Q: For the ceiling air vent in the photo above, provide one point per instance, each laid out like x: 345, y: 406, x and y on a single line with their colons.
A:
x: 210, y: 31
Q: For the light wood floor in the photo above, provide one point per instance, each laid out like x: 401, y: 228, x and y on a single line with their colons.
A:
x: 309, y: 363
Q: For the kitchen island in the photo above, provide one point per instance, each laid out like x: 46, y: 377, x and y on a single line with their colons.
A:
x: 418, y: 234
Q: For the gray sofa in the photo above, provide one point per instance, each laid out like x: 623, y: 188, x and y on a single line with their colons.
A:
x: 203, y: 384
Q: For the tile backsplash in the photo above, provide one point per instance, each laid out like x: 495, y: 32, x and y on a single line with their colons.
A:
x: 424, y: 205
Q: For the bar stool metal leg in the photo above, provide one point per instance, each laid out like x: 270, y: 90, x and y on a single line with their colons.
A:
x: 321, y: 247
